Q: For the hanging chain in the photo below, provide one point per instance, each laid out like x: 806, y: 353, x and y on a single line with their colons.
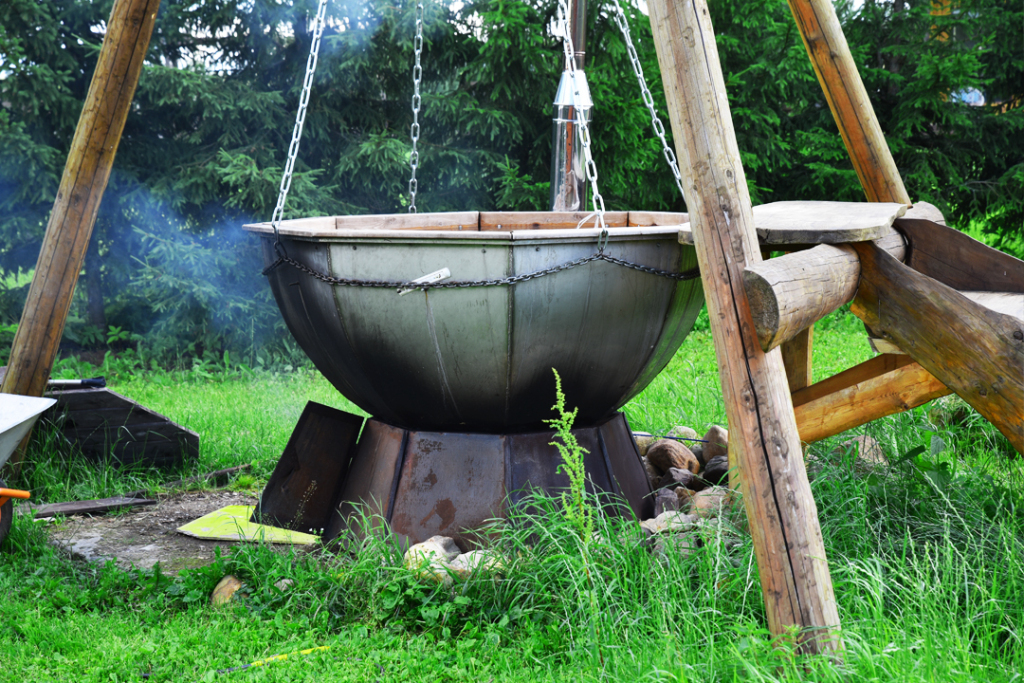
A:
x: 300, y: 119
x: 417, y: 73
x: 401, y: 285
x: 659, y: 128
x: 581, y: 122
x: 414, y: 130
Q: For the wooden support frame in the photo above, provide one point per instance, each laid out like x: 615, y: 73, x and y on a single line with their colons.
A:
x: 885, y: 385
x: 795, y: 579
x: 977, y: 352
x: 78, y: 199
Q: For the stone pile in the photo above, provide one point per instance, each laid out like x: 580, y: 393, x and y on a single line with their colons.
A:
x: 688, y: 473
x: 693, y: 504
x: 438, y: 559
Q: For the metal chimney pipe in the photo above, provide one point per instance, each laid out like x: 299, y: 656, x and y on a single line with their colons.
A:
x: 568, y: 172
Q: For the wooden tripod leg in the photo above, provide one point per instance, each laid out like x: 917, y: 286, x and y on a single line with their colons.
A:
x: 78, y: 199
x: 837, y: 73
x: 795, y: 579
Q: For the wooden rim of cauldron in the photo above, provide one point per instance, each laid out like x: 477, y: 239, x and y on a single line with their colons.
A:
x: 489, y: 225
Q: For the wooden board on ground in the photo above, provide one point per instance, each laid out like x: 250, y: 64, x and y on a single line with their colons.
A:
x: 787, y: 223
x: 87, y: 507
x: 105, y: 424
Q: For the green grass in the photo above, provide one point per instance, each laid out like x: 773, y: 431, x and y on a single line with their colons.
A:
x: 927, y: 560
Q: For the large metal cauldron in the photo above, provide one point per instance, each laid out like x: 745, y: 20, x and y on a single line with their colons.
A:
x: 479, y: 359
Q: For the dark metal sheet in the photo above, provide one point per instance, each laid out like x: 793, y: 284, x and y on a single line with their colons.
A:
x: 535, y: 463
x: 626, y: 466
x: 451, y: 482
x: 370, y: 479
x: 105, y: 425
x: 308, y: 477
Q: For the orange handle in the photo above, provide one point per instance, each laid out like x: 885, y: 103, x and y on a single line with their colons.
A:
x: 14, y: 493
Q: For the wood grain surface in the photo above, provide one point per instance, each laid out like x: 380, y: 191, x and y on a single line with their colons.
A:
x: 958, y: 260
x: 848, y: 99
x: 838, y: 403
x: 793, y: 569
x: 809, y: 222
x: 789, y: 293
x: 975, y: 351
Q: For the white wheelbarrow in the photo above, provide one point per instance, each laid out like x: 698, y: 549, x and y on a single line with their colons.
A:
x: 17, y: 415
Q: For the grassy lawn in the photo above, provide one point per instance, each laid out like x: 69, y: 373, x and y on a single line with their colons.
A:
x: 927, y: 559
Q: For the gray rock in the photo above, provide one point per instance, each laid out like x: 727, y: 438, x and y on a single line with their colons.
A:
x: 430, y: 558
x: 476, y: 561
x: 868, y: 453
x: 665, y: 454
x: 716, y: 443
x: 653, y: 475
x: 643, y: 442
x: 716, y: 470
x: 666, y: 501
x: 685, y: 497
x: 697, y: 449
x: 675, y: 477
x: 684, y: 433
x: 712, y: 502
x: 284, y: 584
x: 668, y: 522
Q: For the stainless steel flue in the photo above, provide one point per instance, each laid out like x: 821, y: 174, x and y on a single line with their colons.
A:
x: 568, y: 173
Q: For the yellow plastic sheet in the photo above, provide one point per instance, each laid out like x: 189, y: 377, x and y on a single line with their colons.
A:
x: 232, y: 524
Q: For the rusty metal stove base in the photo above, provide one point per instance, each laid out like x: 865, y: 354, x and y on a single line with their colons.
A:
x: 449, y: 483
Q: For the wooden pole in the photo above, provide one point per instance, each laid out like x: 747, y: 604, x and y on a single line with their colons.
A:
x: 789, y: 293
x: 783, y: 518
x: 837, y: 73
x: 975, y: 351
x: 78, y: 199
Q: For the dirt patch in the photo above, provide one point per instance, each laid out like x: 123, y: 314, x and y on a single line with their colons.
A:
x: 142, y: 537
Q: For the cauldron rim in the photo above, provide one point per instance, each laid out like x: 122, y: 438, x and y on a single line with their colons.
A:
x: 490, y: 226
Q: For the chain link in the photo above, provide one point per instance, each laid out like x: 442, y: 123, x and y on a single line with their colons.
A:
x: 582, y: 126
x: 414, y: 130
x: 659, y: 128
x: 300, y: 119
x: 403, y: 285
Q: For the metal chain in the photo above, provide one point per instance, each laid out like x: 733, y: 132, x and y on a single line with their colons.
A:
x: 300, y: 119
x: 659, y: 128
x: 581, y: 122
x: 414, y: 130
x: 691, y: 274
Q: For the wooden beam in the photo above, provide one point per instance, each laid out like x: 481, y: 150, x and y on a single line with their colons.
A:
x: 796, y: 357
x: 78, y: 198
x: 848, y: 99
x: 87, y: 507
x: 958, y: 260
x: 795, y: 580
x: 791, y: 292
x: 976, y: 352
x: 884, y: 385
